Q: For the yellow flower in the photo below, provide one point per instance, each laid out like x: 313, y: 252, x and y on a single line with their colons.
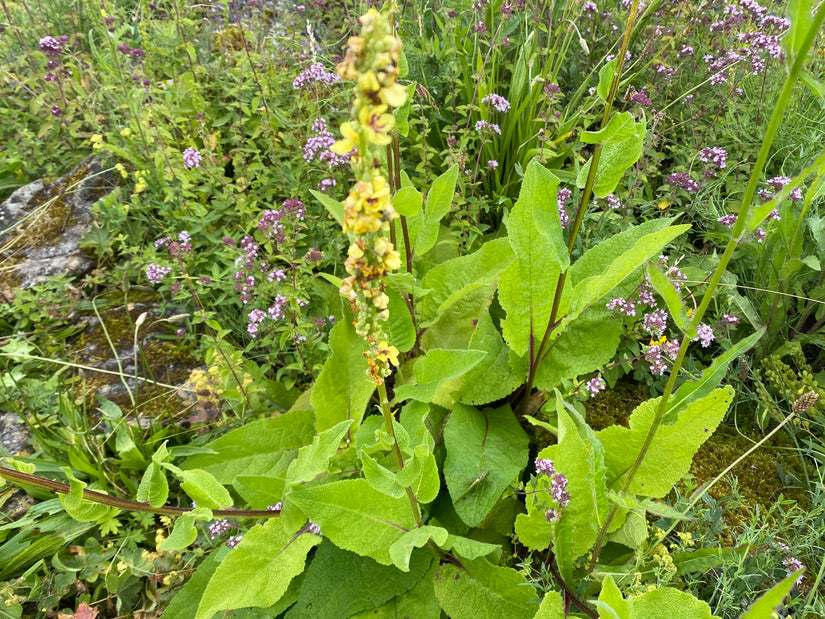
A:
x: 393, y: 95
x: 350, y: 141
x: 126, y: 132
x: 120, y: 168
x: 392, y: 260
x: 368, y: 82
x: 384, y: 352
x: 376, y: 123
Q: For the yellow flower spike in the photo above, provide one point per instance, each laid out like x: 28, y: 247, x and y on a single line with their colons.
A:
x: 384, y: 352
x: 376, y: 123
x: 368, y: 82
x: 355, y: 251
x: 351, y: 140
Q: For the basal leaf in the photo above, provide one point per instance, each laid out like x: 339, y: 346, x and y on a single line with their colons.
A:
x: 343, y: 388
x: 355, y: 516
x: 527, y: 286
x: 259, y: 570
x: 670, y: 453
x: 486, y: 450
x: 339, y: 583
x: 483, y: 590
x: 258, y: 448
x: 493, y: 378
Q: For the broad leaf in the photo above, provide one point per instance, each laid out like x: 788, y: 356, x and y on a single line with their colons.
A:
x: 343, y: 388
x: 438, y: 204
x: 483, y: 590
x: 672, y: 449
x: 258, y: 448
x: 433, y: 370
x: 622, y: 146
x: 606, y: 74
x: 407, y: 201
x: 402, y: 549
x: 764, y: 607
x: 334, y: 207
x: 355, y: 516
x: 527, y: 286
x: 667, y: 602
x: 486, y: 450
x: 205, y: 490
x: 552, y: 607
x: 417, y: 603
x: 259, y: 570
x: 313, y: 460
x: 153, y: 488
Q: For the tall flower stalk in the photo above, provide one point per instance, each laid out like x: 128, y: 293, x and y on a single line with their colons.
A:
x: 372, y: 61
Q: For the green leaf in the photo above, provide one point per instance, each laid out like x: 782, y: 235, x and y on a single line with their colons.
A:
x: 494, y: 377
x: 400, y: 325
x: 527, y: 286
x: 184, y: 531
x: 486, y: 450
x: 83, y: 510
x: 453, y: 280
x: 259, y: 570
x: 262, y: 447
x: 407, y: 201
x: 666, y: 603
x: 355, y: 516
x: 672, y: 449
x: 259, y: 491
x: 799, y: 12
x: 436, y: 368
x: 339, y: 583
x: 153, y: 488
x: 483, y: 590
x: 706, y: 559
x: 606, y: 74
x: 611, y: 602
x: 185, y: 603
x: 417, y: 603
x: 313, y: 460
x: 633, y: 531
x: 668, y: 292
x: 334, y: 207
x: 438, y: 204
x: 343, y: 388
x: 691, y: 391
x: 402, y: 114
x: 402, y: 549
x: 621, y: 127
x: 467, y: 548
x: 621, y: 149
x: 205, y: 490
x: 764, y: 607
x: 552, y: 607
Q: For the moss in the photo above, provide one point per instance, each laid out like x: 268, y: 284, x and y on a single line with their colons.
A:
x: 613, y: 407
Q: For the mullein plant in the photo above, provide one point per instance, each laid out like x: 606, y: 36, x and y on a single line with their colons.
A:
x: 372, y: 61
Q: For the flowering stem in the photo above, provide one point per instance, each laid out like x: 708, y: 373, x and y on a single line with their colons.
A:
x: 135, y: 506
x: 738, y: 231
x: 569, y: 596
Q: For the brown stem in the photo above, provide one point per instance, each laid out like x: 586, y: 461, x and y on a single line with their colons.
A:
x: 569, y: 596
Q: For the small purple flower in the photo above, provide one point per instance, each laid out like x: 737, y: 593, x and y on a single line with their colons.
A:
x: 613, y: 202
x: 594, y: 385
x: 704, y: 334
x: 181, y: 332
x: 715, y: 156
x: 191, y: 158
x: 686, y: 50
x: 184, y: 236
x: 640, y: 98
x: 497, y: 101
x: 683, y: 180
x: 326, y: 184
x: 480, y: 27
x: 492, y: 164
x: 219, y: 527
x: 646, y: 296
x: 655, y: 322
x: 56, y: 111
x: 50, y: 46
x: 653, y: 355
x: 730, y: 319
x: 315, y: 73
x: 778, y: 182
x: 774, y: 214
x: 796, y: 194
x: 759, y: 235
x: 545, y: 466
x: 233, y: 541
x: 727, y: 220
x: 313, y: 528
x: 482, y: 125
x: 155, y: 273
x: 671, y: 348
x: 277, y: 508
x: 623, y: 306
x: 551, y: 90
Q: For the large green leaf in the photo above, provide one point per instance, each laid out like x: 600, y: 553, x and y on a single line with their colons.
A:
x: 205, y: 490
x: 483, y: 590
x: 435, y: 369
x: 494, y: 377
x: 672, y: 449
x: 343, y: 388
x: 452, y: 280
x: 527, y: 286
x: 622, y: 140
x: 417, y: 603
x: 486, y: 450
x: 313, y: 459
x: 259, y: 570
x: 258, y: 448
x: 665, y: 603
x: 334, y: 207
x: 799, y: 13
x: 355, y: 516
x: 424, y: 226
x: 339, y: 583
x: 402, y: 550
x: 552, y: 607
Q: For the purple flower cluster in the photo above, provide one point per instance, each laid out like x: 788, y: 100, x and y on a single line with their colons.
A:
x: 778, y: 182
x: 191, y: 158
x: 313, y: 528
x: 613, y: 202
x: 704, y: 335
x: 622, y: 306
x: 155, y: 273
x: 219, y: 527
x: 315, y: 74
x: 562, y: 197
x: 233, y: 541
x: 730, y: 319
x: 483, y: 125
x: 728, y: 220
x: 53, y: 47
x: 317, y: 146
x: 496, y: 101
x: 683, y: 180
x: 640, y: 98
x: 594, y: 385
x: 715, y: 156
x: 558, y: 487
x: 791, y: 563
x: 655, y: 322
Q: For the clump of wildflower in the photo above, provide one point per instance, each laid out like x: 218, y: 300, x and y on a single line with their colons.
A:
x: 595, y: 385
x: 277, y: 507
x: 558, y: 488
x: 683, y: 180
x: 613, y: 202
x: 496, y: 101
x: 715, y: 156
x: 372, y: 61
x: 219, y: 527
x: 483, y: 125
x: 561, y: 201
x: 191, y: 158
x: 622, y: 306
x: 155, y: 273
x: 727, y: 220
x: 791, y: 563
x: 655, y: 322
x: 315, y: 74
x: 492, y: 164
x: 704, y: 335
